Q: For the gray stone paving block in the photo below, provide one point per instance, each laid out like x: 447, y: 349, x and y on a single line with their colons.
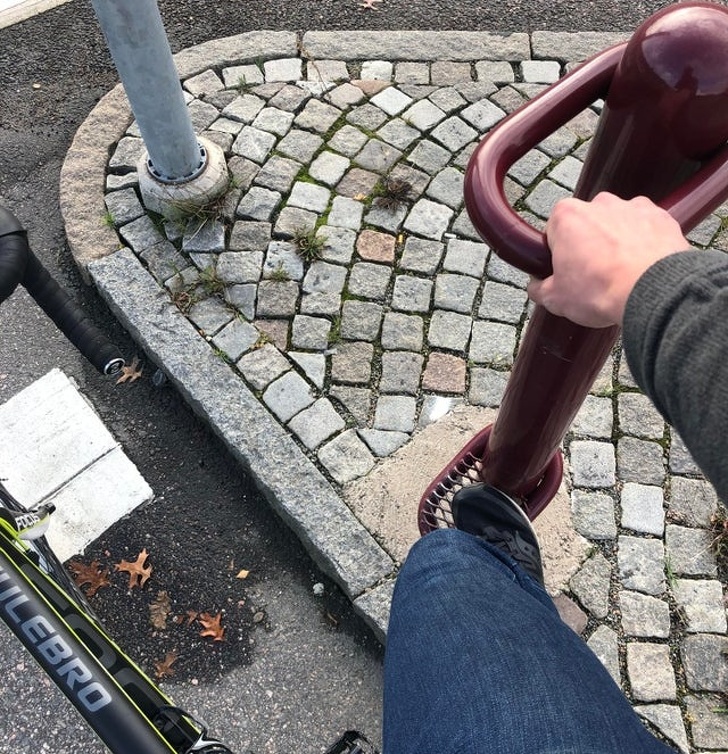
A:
x: 508, y: 98
x: 573, y: 46
x: 506, y: 273
x: 482, y: 115
x: 642, y: 508
x: 497, y: 71
x: 243, y: 171
x: 377, y: 70
x: 689, y: 551
x: 351, y: 363
x: 594, y: 418
x: 356, y: 400
x: 310, y: 332
x: 448, y: 99
x: 244, y: 108
x: 250, y: 236
x: 447, y: 187
x: 529, y: 167
x: 241, y: 75
x: 282, y: 258
x: 288, y: 395
x: 294, y: 219
x: 345, y: 213
x: 641, y: 564
x: 559, y: 143
x: 164, y: 261
x: 204, y: 83
x: 592, y: 463
x: 467, y: 257
x: 567, y: 172
x: 210, y: 315
x: 423, y: 115
x: 140, y: 234
x: 313, y: 365
x: 475, y: 91
x: 421, y: 255
x: 377, y: 156
x: 454, y: 133
x: 386, y: 218
x: 543, y: 198
x: 391, y: 100
x: 541, y: 71
x: 412, y: 73
x: 348, y: 140
x: 240, y: 266
x: 395, y: 413
x: 346, y: 457
x: 369, y: 280
x: 278, y: 174
x: 398, y: 133
x: 455, y: 292
x: 449, y: 72
x: 638, y: 417
x: 206, y: 237
x: 593, y: 515
x: 402, y: 332
x: 300, y: 145
x: 284, y: 69
x: 487, y: 387
x: 640, y: 461
x: 323, y: 277
x: 604, y: 643
x: 202, y: 114
x: 338, y: 543
x: 339, y: 243
x: 703, y: 233
x: 361, y: 320
x: 127, y: 154
x: 429, y: 219
x: 401, y: 372
x: 277, y: 299
x: 693, y: 502
x: 329, y: 168
x: 703, y: 603
x: 429, y: 156
x: 123, y: 206
x: 345, y: 95
x: 327, y: 70
x: 705, y: 659
x: 709, y: 726
x: 383, y: 442
x: 258, y: 204
x: 591, y: 585
x: 316, y: 424
x: 680, y: 460
x: 411, y: 294
x: 644, y: 616
x: 236, y: 338
x: 254, y: 144
x: 317, y: 116
x: 492, y: 343
x: 242, y: 296
x: 263, y: 365
x: 449, y: 330
x: 366, y: 116
x: 650, y: 672
x: 309, y: 196
x: 289, y: 97
x: 119, y: 182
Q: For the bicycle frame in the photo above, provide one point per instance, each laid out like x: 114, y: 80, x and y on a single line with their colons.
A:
x: 119, y: 702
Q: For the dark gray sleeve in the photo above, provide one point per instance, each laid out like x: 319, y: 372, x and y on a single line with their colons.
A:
x: 676, y: 341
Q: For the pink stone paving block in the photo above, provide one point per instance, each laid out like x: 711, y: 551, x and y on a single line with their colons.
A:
x: 276, y: 330
x: 375, y: 246
x: 444, y: 374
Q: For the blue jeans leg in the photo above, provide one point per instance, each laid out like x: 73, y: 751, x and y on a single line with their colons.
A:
x: 478, y: 661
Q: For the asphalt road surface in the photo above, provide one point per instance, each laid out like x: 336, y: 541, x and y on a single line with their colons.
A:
x: 302, y: 667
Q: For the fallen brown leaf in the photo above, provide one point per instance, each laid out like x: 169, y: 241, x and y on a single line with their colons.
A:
x: 138, y: 572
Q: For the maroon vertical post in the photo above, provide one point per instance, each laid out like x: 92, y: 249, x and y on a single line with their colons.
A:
x: 662, y: 126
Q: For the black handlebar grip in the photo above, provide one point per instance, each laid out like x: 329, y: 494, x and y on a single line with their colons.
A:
x: 18, y: 264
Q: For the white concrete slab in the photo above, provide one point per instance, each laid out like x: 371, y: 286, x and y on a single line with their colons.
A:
x: 15, y: 11
x: 53, y: 446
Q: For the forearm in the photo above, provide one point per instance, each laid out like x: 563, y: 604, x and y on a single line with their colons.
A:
x: 676, y: 341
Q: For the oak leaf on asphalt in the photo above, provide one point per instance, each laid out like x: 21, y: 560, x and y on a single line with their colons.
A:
x: 211, y: 626
x: 138, y: 572
x: 89, y: 575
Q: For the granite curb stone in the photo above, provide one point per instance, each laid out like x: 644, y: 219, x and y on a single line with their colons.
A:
x: 403, y: 320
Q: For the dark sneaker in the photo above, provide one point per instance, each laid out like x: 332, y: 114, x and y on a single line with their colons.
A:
x: 491, y: 515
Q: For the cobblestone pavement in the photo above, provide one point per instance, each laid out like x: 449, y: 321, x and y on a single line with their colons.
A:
x: 315, y: 367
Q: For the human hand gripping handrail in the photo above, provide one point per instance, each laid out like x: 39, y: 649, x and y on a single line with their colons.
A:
x: 19, y: 266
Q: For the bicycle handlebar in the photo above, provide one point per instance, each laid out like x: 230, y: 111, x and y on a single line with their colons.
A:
x: 20, y: 266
